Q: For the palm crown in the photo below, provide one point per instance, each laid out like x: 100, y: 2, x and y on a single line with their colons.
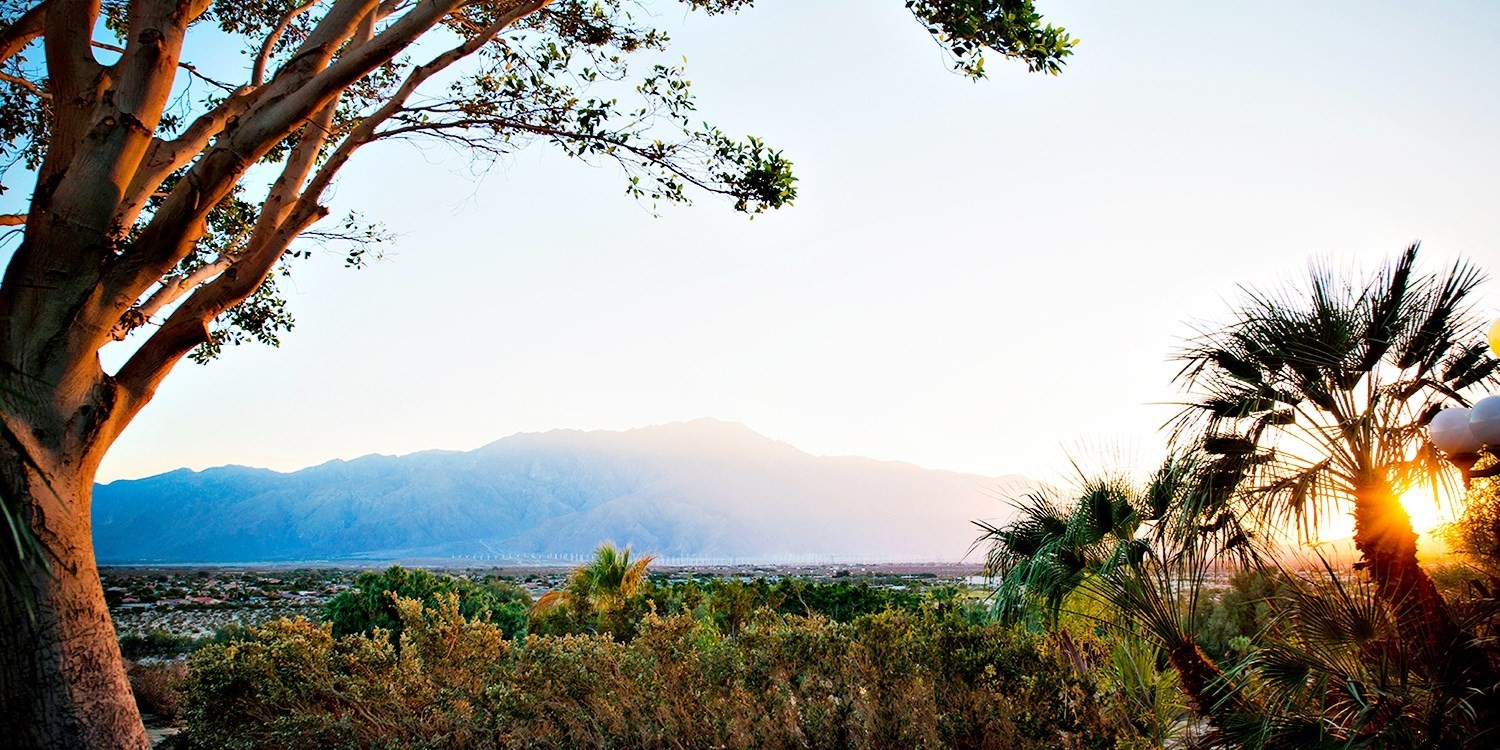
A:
x: 1316, y: 396
x: 603, y: 583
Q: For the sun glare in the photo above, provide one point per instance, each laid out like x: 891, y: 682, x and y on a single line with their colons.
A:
x: 1424, y: 509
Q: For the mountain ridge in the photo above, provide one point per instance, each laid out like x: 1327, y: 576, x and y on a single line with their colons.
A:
x: 697, y: 488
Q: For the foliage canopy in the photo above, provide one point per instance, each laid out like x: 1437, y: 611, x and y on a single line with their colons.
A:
x: 371, y: 603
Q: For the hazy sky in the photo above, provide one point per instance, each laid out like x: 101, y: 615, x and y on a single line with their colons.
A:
x: 981, y: 277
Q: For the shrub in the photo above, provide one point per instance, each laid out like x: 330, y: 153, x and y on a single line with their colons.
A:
x: 1242, y: 612
x: 157, y: 688
x: 728, y: 603
x: 895, y: 679
x: 371, y: 604
x: 1476, y: 534
x: 155, y: 643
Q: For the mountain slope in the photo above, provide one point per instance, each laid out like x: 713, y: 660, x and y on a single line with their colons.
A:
x: 701, y: 488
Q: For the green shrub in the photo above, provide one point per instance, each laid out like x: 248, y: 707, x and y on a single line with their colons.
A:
x: 155, y: 643
x: 728, y: 603
x: 1240, y: 614
x: 229, y: 633
x: 894, y: 679
x: 371, y: 604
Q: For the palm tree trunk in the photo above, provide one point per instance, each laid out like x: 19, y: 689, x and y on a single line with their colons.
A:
x: 1210, y: 695
x: 62, y: 680
x: 1384, y: 537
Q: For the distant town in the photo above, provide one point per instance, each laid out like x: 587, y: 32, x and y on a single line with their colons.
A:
x: 191, y: 603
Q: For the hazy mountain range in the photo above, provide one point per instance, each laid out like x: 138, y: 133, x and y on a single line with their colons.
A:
x: 700, y: 488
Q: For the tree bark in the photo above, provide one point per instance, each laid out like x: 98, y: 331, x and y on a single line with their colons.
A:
x: 1384, y: 536
x: 62, y: 679
x: 1209, y: 694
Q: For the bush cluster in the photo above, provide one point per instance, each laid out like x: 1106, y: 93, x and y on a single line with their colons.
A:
x: 157, y: 643
x: 157, y: 688
x: 894, y: 679
x: 728, y: 603
x: 371, y: 604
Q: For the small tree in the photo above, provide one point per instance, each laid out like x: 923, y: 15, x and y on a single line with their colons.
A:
x: 371, y: 603
x: 162, y: 216
x: 1477, y: 533
x: 596, y: 593
x: 1135, y: 548
x: 1313, y: 400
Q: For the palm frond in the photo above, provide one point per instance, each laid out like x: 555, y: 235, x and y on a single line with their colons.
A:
x: 1386, y: 298
x: 1328, y: 385
x: 1443, y: 318
x: 1338, y: 673
x: 1466, y: 373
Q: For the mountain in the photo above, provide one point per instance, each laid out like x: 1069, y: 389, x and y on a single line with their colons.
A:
x: 701, y: 488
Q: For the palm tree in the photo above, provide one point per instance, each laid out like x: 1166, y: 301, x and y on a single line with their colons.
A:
x: 602, y: 586
x: 1335, y: 672
x: 1137, y: 548
x: 1316, y: 399
x: 1157, y: 599
x: 1049, y: 549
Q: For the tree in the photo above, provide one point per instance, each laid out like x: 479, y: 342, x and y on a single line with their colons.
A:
x: 1477, y: 533
x: 372, y: 602
x: 1049, y: 548
x: 596, y: 593
x: 1137, y: 549
x: 1317, y: 399
x: 164, y: 217
x: 1312, y: 400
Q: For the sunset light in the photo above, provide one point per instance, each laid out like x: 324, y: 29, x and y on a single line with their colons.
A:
x: 1428, y: 511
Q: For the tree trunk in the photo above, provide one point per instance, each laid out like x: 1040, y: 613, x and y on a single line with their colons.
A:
x: 1384, y: 537
x: 1211, y: 696
x: 62, y: 680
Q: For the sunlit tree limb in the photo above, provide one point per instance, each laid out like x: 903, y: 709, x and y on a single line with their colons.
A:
x: 15, y: 35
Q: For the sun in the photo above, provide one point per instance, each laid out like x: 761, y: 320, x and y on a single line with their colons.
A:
x: 1423, y: 507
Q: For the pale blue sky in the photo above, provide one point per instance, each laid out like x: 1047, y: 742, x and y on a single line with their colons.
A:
x: 975, y: 276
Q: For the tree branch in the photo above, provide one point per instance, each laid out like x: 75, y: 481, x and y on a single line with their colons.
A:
x: 258, y: 75
x: 12, y: 220
x: 277, y: 110
x: 158, y: 29
x: 165, y: 157
x: 189, y: 67
x: 366, y: 130
x: 437, y: 128
x: 67, y: 32
x: 274, y: 209
x: 29, y: 85
x: 282, y: 196
x: 335, y: 27
x: 187, y: 327
x: 119, y: 126
x: 22, y: 31
x: 172, y: 288
x: 279, y: 201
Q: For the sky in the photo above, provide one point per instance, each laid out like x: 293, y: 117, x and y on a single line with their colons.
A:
x: 984, y: 277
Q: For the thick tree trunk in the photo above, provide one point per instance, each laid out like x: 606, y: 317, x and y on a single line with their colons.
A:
x: 1384, y: 537
x: 62, y: 680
